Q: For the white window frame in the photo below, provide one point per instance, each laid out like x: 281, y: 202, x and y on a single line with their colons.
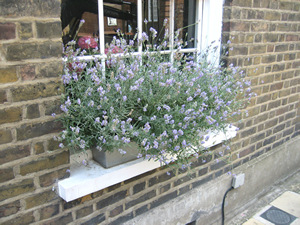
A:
x: 208, y: 29
x: 85, y: 180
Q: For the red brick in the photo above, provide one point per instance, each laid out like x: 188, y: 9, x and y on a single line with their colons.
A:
x: 8, y: 31
x: 9, y: 209
x: 291, y: 37
x: 49, y: 211
x: 27, y: 72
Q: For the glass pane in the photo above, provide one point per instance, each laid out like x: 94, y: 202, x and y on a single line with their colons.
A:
x: 73, y: 15
x: 156, y: 15
x: 185, y: 17
x: 120, y: 16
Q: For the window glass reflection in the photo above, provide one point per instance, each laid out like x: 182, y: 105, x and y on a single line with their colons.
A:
x: 185, y: 17
x: 118, y: 15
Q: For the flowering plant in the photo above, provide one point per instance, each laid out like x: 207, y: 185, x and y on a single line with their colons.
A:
x: 87, y: 42
x: 161, y: 100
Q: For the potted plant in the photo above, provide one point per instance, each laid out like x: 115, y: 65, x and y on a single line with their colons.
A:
x: 159, y: 102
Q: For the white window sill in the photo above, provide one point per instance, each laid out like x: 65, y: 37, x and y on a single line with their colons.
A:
x: 85, y: 180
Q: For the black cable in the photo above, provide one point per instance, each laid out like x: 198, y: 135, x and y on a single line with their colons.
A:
x: 223, y: 204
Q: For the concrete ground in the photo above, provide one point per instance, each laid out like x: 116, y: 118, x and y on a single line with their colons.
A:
x: 284, y: 195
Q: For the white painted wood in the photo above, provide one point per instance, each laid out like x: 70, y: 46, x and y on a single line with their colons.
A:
x: 85, y: 180
x: 199, y: 21
x: 101, y: 34
x: 101, y: 27
x: 171, y: 28
x: 140, y: 22
x: 212, y: 26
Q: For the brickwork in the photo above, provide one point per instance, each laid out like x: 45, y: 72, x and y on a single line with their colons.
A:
x: 30, y: 163
x: 265, y: 38
x: 265, y: 42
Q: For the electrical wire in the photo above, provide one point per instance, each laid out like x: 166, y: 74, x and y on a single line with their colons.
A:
x: 223, y: 204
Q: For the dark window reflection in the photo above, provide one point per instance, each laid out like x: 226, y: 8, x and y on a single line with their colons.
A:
x: 122, y: 15
x: 118, y: 14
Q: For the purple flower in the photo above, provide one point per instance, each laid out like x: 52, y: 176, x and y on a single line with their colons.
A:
x: 153, y: 31
x: 126, y: 140
x: 144, y: 37
x: 124, y: 98
x: 82, y: 144
x: 77, y: 129
x: 118, y: 87
x: 91, y: 103
x: 147, y: 127
x: 166, y: 107
x: 121, y: 151
x: 64, y: 108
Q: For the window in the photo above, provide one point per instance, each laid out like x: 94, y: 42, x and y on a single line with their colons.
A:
x: 201, y: 20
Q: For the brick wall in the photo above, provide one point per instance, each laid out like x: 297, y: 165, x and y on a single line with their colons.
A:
x: 30, y: 161
x: 265, y: 38
x: 265, y: 41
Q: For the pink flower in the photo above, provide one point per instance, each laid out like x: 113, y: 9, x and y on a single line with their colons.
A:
x: 87, y: 42
x: 114, y: 50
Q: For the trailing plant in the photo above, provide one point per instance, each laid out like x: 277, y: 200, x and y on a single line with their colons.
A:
x: 162, y: 99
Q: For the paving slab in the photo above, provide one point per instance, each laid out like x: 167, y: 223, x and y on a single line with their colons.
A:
x: 284, y: 210
x: 284, y: 195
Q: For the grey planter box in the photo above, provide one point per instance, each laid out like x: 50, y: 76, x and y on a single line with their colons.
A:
x: 109, y: 159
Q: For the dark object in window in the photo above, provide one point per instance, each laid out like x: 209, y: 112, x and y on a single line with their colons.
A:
x: 72, y: 11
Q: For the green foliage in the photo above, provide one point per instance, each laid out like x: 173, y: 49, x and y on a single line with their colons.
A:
x: 162, y: 100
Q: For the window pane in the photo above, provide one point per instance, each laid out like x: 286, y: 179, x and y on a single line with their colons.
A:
x: 185, y: 17
x: 72, y: 12
x: 120, y: 15
x: 156, y: 15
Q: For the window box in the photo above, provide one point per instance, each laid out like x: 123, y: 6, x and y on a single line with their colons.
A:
x: 88, y: 179
x: 108, y: 159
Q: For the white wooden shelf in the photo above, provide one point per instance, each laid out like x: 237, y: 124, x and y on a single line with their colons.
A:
x: 88, y: 179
